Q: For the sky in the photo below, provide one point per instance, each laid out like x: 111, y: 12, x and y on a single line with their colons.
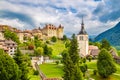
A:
x: 99, y: 15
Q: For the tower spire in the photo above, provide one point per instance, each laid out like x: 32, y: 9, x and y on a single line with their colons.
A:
x: 82, y: 28
x: 82, y: 21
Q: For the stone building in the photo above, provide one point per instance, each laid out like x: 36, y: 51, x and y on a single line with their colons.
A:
x: 50, y: 31
x: 46, y: 32
x: 8, y: 46
x: 37, y: 32
x: 83, y: 40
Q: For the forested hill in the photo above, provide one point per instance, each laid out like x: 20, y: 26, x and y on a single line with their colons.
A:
x: 112, y: 35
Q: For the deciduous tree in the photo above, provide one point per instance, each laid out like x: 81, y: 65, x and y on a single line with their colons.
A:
x: 22, y: 62
x: 9, y: 70
x: 105, y: 64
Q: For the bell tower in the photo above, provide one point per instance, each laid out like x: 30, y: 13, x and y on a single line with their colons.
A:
x: 83, y: 40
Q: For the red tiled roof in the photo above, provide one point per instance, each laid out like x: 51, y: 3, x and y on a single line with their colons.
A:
x: 92, y: 47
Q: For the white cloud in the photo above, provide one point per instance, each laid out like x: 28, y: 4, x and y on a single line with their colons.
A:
x: 50, y: 11
x: 12, y: 22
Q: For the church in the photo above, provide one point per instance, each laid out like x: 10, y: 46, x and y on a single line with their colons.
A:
x: 84, y: 49
x: 83, y: 41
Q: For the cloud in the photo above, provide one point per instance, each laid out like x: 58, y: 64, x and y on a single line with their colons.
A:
x: 100, y: 14
x: 12, y: 22
x: 108, y: 10
x: 13, y: 15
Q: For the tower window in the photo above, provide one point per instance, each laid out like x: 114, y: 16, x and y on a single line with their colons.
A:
x: 81, y: 38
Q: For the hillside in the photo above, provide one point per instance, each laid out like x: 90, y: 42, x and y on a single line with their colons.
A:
x: 112, y: 35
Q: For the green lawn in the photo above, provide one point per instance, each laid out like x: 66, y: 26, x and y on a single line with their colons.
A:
x: 57, y: 47
x: 52, y: 70
x: 92, y: 66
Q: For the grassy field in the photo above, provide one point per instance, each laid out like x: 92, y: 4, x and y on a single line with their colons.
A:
x: 52, y: 70
x: 57, y: 47
x: 92, y: 66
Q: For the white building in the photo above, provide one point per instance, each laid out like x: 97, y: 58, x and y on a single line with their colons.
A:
x: 11, y: 46
x: 83, y: 40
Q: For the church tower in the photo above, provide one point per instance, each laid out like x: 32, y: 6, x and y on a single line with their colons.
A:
x: 82, y: 39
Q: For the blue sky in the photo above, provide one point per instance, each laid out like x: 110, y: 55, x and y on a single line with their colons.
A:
x: 99, y: 15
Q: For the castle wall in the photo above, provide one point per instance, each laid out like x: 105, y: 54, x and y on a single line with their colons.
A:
x: 60, y: 32
x: 50, y: 30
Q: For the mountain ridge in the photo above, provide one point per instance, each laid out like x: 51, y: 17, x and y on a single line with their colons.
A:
x: 112, y: 35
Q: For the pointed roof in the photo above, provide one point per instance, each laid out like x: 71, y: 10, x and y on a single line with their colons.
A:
x: 82, y: 31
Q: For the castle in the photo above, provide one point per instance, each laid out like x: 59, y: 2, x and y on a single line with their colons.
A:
x: 46, y: 32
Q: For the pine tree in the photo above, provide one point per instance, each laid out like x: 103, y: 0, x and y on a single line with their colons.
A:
x: 71, y: 62
x: 68, y: 67
x: 73, y: 50
x: 105, y: 64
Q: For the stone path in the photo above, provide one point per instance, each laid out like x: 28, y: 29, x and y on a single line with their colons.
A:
x: 40, y: 72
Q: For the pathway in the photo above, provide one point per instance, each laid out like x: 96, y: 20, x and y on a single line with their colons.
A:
x: 40, y: 72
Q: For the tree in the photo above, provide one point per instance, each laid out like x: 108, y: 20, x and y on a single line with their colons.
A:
x: 68, y: 66
x: 83, y: 68
x: 71, y: 62
x: 67, y: 43
x: 9, y: 70
x: 47, y: 51
x: 53, y: 39
x: 105, y: 64
x: 22, y: 62
x: 73, y: 50
x: 11, y: 35
x: 39, y: 51
x: 37, y: 42
x: 98, y: 44
x: 30, y: 46
x: 64, y: 37
x: 105, y: 44
x: 84, y: 60
x: 89, y: 58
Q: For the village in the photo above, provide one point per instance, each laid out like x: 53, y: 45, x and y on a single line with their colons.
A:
x: 48, y: 36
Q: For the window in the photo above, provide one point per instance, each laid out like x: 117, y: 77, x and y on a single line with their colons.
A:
x: 81, y: 38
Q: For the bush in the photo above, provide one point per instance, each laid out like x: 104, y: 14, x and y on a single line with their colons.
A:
x: 84, y: 60
x: 53, y: 39
x: 36, y: 72
x: 31, y: 47
x: 47, y: 42
x: 83, y: 69
x: 57, y: 62
x: 90, y: 58
x: 95, y: 72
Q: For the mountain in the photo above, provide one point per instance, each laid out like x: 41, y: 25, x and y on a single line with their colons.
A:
x: 112, y: 35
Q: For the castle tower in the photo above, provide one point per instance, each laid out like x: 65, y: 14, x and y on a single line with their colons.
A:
x: 82, y: 39
x: 60, y: 31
